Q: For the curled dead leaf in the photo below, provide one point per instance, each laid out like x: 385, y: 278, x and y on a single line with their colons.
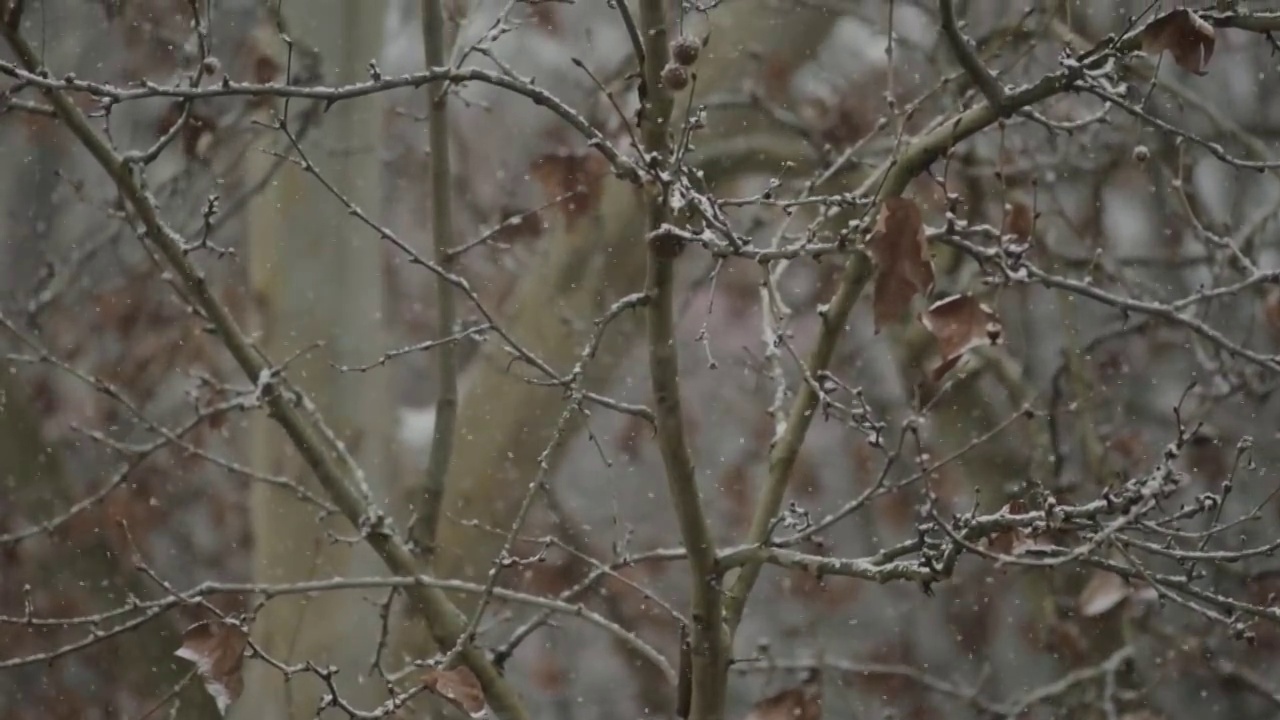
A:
x: 1017, y: 541
x: 217, y: 649
x: 460, y: 687
x: 1187, y: 37
x: 901, y: 253
x: 960, y: 323
x: 1104, y: 591
x: 802, y: 702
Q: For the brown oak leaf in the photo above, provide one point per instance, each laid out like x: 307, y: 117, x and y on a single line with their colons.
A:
x: 960, y: 323
x: 460, y: 687
x: 802, y: 702
x: 1187, y: 37
x: 903, y: 268
x: 217, y: 648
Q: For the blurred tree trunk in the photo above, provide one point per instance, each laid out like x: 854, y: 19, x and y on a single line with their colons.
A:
x: 316, y: 276
x: 588, y: 263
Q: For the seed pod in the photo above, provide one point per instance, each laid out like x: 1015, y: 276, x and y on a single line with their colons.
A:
x: 675, y: 77
x: 684, y: 50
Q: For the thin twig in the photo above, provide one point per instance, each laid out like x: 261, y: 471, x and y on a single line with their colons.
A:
x: 968, y: 59
x: 281, y: 398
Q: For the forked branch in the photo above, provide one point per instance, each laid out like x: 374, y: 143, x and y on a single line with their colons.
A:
x: 708, y: 641
x: 445, y: 620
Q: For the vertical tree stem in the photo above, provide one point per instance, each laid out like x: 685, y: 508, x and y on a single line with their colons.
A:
x: 442, y: 233
x: 890, y: 180
x: 710, y: 661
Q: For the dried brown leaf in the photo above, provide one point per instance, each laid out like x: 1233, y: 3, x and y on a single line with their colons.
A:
x: 1104, y: 591
x: 460, y: 687
x: 802, y: 702
x: 634, y: 430
x: 1019, y: 222
x: 1206, y: 457
x: 577, y: 176
x: 217, y: 649
x: 548, y: 672
x: 960, y: 323
x: 736, y: 484
x: 546, y: 17
x: 1062, y: 639
x: 1016, y: 541
x: 903, y: 268
x: 1187, y: 37
x: 1271, y: 310
x: 263, y: 65
x: 197, y: 133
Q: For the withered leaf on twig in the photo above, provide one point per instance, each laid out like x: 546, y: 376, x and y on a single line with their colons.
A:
x: 460, y: 687
x: 1187, y: 37
x: 903, y: 268
x: 1103, y: 591
x: 802, y: 702
x: 217, y: 649
x: 1015, y: 541
x: 960, y: 323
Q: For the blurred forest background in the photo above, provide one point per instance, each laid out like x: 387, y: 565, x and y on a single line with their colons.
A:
x: 272, y: 349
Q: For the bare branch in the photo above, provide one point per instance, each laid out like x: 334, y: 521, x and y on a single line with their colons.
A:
x: 446, y: 401
x: 444, y: 618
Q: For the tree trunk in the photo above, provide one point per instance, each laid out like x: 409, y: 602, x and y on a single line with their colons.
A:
x: 316, y: 276
x: 505, y: 423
